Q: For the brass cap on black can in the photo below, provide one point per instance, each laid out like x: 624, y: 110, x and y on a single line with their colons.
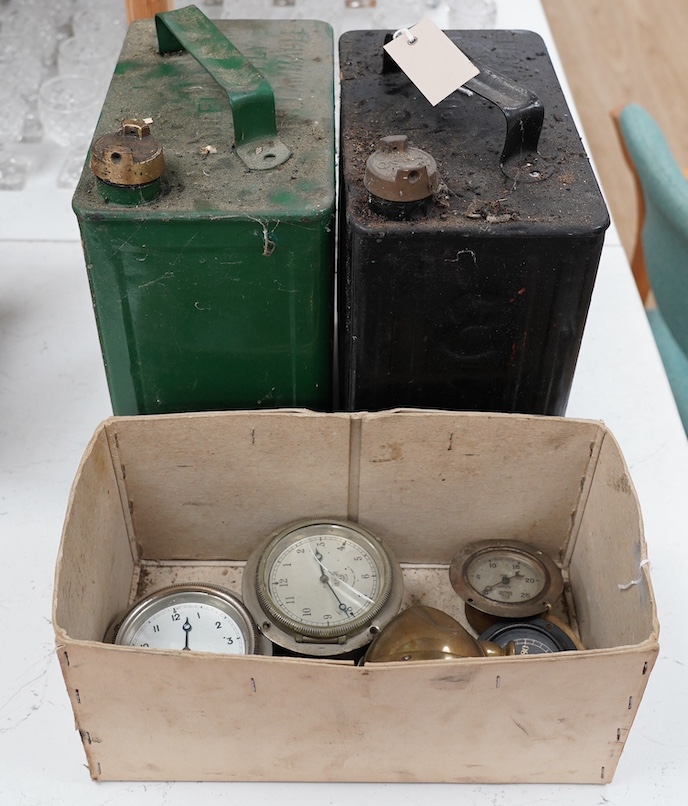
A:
x: 398, y: 172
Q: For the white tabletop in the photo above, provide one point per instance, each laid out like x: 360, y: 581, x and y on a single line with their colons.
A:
x: 52, y: 396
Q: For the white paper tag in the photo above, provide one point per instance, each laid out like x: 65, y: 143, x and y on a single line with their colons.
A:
x: 431, y: 60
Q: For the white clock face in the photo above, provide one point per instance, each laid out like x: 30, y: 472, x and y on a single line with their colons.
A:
x: 198, y: 618
x: 325, y: 580
x: 192, y: 626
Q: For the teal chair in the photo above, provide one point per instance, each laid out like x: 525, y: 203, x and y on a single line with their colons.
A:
x: 665, y: 242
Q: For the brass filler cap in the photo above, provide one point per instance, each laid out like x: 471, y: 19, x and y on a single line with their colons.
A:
x: 400, y: 173
x: 129, y: 157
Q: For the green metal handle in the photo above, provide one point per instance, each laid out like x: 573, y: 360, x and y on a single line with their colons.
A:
x: 250, y: 96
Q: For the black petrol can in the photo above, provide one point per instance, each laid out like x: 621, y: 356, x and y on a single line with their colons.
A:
x: 470, y: 236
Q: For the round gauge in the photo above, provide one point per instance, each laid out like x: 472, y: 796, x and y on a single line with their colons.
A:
x: 322, y: 587
x: 202, y: 618
x: 506, y: 578
x: 534, y: 636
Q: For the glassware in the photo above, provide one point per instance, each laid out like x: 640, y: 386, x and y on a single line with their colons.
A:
x: 103, y: 22
x: 472, y: 14
x: 84, y: 56
x: 69, y: 108
x: 32, y: 22
x: 345, y: 15
x: 268, y: 9
x: 61, y: 11
x: 20, y: 61
x: 13, y: 169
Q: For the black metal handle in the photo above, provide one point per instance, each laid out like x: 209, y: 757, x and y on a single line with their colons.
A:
x: 523, y: 110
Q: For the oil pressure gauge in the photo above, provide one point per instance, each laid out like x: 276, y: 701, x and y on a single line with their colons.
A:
x: 504, y: 578
x: 202, y: 618
x: 533, y: 636
x: 322, y: 587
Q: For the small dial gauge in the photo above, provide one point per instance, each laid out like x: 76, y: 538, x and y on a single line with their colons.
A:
x: 506, y: 578
x: 200, y: 618
x: 322, y: 587
x: 534, y: 636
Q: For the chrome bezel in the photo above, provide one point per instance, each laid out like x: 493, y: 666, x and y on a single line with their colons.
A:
x: 284, y: 629
x: 220, y: 598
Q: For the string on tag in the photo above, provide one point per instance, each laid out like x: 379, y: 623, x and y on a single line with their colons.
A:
x: 625, y: 587
x: 434, y: 64
x: 411, y: 39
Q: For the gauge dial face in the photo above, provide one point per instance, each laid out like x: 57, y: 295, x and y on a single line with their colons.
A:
x: 324, y: 582
x: 534, y: 637
x: 190, y: 617
x: 321, y: 581
x: 506, y: 578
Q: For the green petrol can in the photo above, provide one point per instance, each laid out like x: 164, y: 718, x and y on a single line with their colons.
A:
x: 206, y: 214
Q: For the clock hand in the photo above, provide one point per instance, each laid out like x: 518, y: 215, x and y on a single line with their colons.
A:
x: 323, y: 571
x: 186, y: 626
x: 342, y: 605
x: 318, y: 557
x: 325, y: 579
x: 340, y: 581
x: 354, y: 590
x: 505, y: 580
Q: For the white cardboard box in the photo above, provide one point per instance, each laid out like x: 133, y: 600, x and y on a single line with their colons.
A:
x: 164, y: 499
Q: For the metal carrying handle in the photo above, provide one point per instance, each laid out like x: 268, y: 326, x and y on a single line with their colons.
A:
x: 251, y: 98
x: 523, y: 110
x: 524, y: 113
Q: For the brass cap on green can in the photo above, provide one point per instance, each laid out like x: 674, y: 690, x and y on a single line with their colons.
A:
x: 129, y: 157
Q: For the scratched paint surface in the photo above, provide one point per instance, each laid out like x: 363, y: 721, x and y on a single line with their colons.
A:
x: 218, y: 294
x: 477, y: 302
x: 191, y: 112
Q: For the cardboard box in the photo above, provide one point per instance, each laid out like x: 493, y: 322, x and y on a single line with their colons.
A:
x: 171, y: 498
